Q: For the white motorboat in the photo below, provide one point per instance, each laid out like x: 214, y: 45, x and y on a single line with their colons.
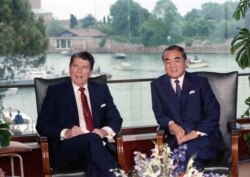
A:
x: 67, y: 52
x: 120, y: 56
x: 197, y: 63
x: 125, y: 65
x: 121, y: 62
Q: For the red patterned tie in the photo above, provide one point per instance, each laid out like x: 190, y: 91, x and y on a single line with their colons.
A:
x: 86, y: 111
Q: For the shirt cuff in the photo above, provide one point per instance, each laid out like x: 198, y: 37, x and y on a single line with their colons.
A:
x: 169, y: 123
x: 201, y: 133
x: 62, y: 135
x: 111, y: 133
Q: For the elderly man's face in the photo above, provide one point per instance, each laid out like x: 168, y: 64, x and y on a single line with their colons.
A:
x: 174, y: 62
x: 80, y: 71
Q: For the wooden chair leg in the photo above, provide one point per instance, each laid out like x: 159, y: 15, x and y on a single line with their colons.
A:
x: 45, y: 156
x: 120, y: 153
x: 160, y: 140
x: 235, y: 153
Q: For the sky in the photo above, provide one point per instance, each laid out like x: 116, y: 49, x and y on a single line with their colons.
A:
x: 62, y: 9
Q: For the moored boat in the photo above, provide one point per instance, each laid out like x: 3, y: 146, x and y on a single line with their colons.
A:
x: 67, y: 52
x: 122, y: 65
x: 121, y: 62
x: 120, y: 56
x: 197, y: 63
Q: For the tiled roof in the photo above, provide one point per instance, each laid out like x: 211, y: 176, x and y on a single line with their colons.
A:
x: 87, y: 32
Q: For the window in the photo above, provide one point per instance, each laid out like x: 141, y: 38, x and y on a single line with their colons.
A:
x: 127, y: 39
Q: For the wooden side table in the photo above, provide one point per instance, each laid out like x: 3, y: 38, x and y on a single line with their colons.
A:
x: 13, y: 150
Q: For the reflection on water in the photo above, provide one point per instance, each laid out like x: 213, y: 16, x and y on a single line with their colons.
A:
x: 132, y: 99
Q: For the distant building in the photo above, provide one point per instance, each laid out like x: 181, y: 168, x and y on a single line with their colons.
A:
x: 35, y: 4
x: 76, y: 40
x: 65, y: 23
x: 39, y: 12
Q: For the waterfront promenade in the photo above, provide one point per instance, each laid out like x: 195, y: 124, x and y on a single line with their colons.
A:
x: 137, y: 48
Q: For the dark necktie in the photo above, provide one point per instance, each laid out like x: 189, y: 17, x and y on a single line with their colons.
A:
x: 178, y: 88
x: 86, y: 111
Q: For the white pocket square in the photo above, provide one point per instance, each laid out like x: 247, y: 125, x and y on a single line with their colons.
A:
x: 103, y: 105
x: 191, y: 92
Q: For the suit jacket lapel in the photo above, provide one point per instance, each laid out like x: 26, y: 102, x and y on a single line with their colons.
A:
x: 70, y: 95
x: 171, y: 96
x: 94, y: 102
x: 186, y: 87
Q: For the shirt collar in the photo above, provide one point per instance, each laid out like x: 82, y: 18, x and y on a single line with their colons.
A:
x: 181, y: 78
x: 76, y: 87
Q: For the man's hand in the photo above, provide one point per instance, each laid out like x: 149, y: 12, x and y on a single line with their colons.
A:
x: 74, y: 131
x: 191, y: 135
x: 101, y: 132
x: 177, y: 130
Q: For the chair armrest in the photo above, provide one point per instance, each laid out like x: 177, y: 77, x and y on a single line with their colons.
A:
x: 232, y: 126
x: 120, y: 152
x: 43, y: 141
x: 235, y: 152
x: 134, y: 131
x: 160, y: 140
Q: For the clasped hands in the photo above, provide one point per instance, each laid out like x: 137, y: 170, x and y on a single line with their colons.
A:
x: 75, y: 131
x: 180, y: 135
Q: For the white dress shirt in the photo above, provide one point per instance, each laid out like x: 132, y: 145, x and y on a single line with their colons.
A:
x: 180, y: 82
x: 82, y: 123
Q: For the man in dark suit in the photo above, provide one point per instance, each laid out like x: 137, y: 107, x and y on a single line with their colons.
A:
x: 62, y: 119
x: 186, y: 109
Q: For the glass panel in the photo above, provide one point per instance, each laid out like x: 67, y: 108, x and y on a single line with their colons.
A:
x: 63, y: 43
x: 69, y: 44
x: 22, y: 100
x: 133, y: 100
x: 127, y: 39
x: 243, y: 94
x: 57, y: 43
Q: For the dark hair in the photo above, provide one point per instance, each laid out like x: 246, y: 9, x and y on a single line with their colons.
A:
x: 175, y: 47
x: 85, y: 56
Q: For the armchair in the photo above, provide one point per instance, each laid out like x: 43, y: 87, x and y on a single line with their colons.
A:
x: 133, y: 139
x: 224, y: 86
x: 41, y: 86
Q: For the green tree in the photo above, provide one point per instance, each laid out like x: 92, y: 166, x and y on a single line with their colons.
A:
x: 73, y: 21
x: 189, y: 29
x: 108, y: 19
x: 204, y: 26
x: 88, y: 21
x: 213, y: 22
x: 160, y: 26
x: 212, y: 10
x: 21, y: 35
x: 54, y: 28
x: 192, y: 15
x: 240, y: 46
x: 104, y: 20
x: 126, y: 18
